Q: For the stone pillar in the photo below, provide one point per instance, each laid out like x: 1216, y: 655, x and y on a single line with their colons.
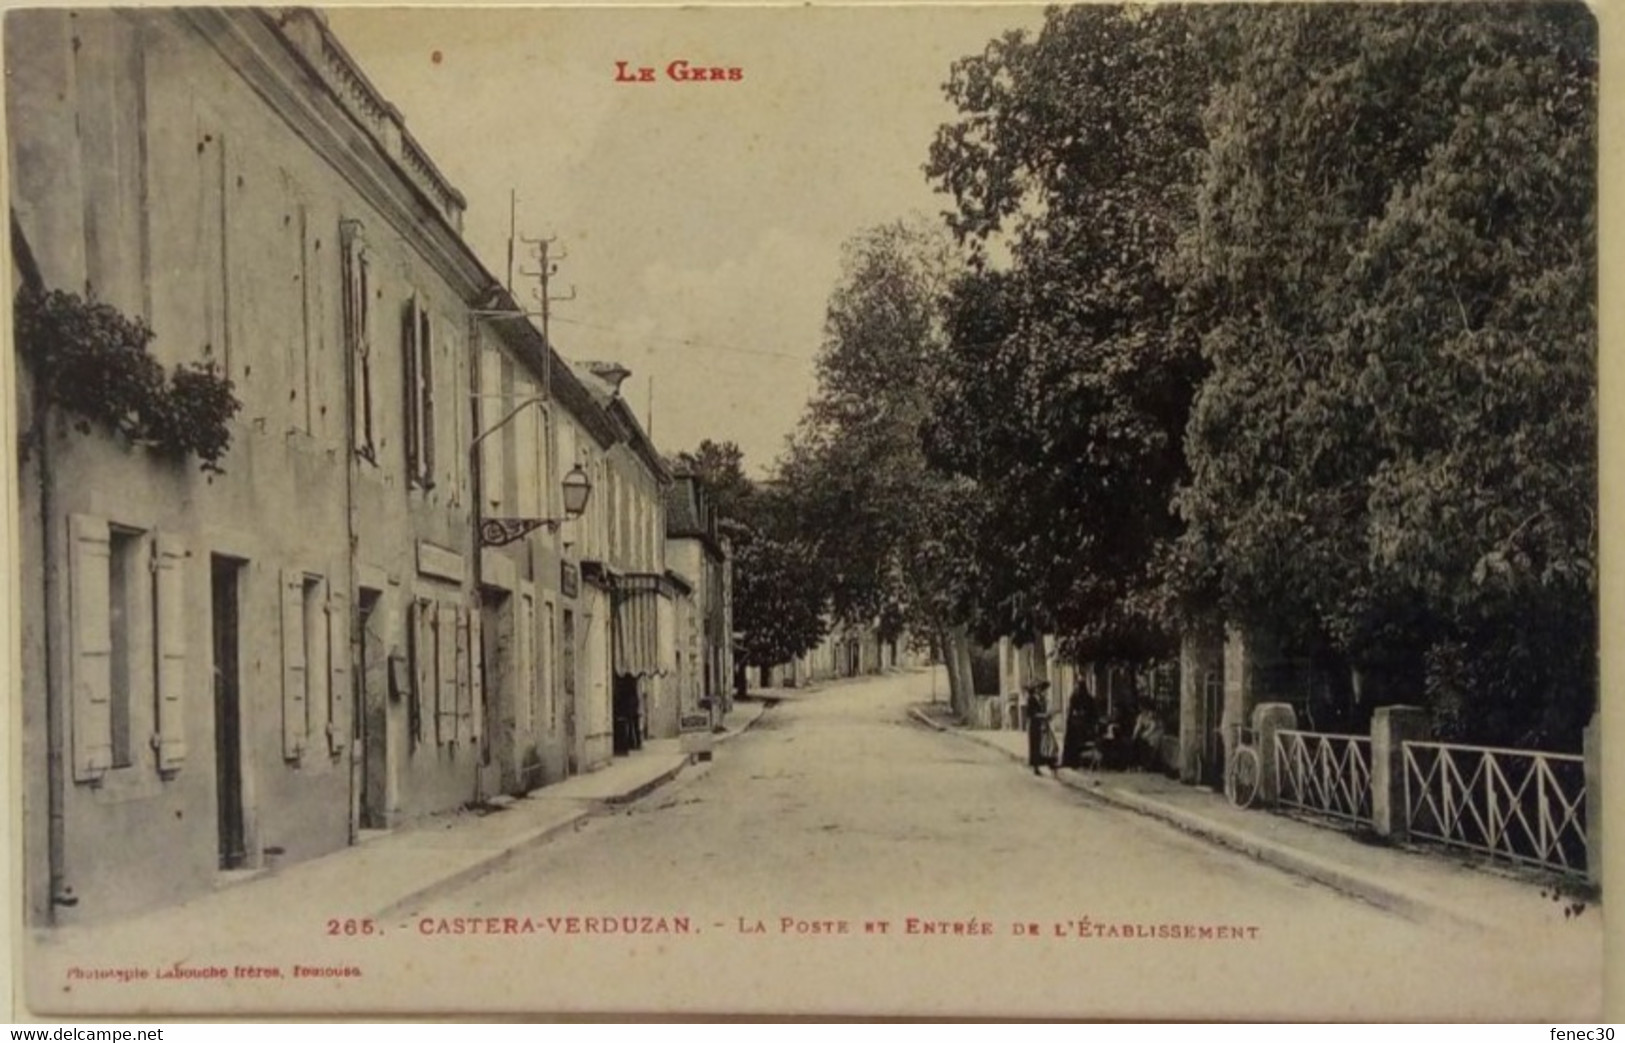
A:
x: 1269, y: 718
x: 1195, y: 658
x: 1391, y: 728
x: 1238, y: 689
x: 1592, y: 747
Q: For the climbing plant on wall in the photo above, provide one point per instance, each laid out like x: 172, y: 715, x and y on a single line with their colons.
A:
x: 93, y: 361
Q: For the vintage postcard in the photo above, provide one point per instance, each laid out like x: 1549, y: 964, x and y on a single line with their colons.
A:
x: 936, y: 510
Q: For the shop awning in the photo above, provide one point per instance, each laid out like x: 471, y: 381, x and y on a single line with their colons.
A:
x: 635, y: 638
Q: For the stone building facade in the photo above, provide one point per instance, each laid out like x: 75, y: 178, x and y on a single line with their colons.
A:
x: 225, y: 669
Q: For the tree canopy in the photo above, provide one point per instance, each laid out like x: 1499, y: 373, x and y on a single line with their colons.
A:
x: 1272, y: 316
x: 779, y: 594
x: 1283, y: 316
x: 1069, y: 369
x: 889, y: 529
x: 1393, y: 270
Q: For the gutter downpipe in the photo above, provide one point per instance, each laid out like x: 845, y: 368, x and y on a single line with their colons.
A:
x: 59, y: 893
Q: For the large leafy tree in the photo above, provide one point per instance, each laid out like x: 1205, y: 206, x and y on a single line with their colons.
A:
x: 894, y: 534
x: 778, y: 607
x: 779, y: 593
x: 1070, y: 369
x: 1393, y: 265
x: 720, y: 467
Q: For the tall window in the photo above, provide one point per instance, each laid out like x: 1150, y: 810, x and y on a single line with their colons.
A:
x: 317, y: 652
x: 417, y: 349
x: 494, y: 454
x: 550, y: 653
x: 358, y: 339
x: 128, y: 580
x: 127, y: 647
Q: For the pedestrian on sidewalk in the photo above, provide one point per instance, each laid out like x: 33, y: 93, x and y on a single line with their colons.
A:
x: 1082, y: 723
x: 1147, y: 740
x: 1040, y: 739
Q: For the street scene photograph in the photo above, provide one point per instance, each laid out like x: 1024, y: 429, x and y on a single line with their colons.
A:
x: 966, y: 511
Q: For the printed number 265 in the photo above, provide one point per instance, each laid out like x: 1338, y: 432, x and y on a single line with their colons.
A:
x: 352, y: 927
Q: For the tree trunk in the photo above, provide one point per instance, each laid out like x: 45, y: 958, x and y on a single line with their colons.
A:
x: 960, y: 680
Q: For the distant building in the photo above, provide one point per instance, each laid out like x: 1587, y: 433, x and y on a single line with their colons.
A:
x: 698, y: 553
x: 632, y: 576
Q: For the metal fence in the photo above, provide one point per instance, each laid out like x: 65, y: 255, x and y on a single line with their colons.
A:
x: 1323, y: 773
x: 1521, y: 805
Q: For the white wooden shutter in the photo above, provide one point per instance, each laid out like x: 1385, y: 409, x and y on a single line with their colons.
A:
x: 293, y: 664
x: 318, y: 699
x: 340, y: 697
x: 464, y: 663
x: 169, y: 570
x: 446, y: 690
x: 350, y: 317
x: 91, y: 670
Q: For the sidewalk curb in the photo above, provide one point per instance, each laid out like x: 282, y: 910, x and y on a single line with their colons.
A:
x: 473, y: 871
x: 498, y: 856
x: 730, y: 736
x: 1279, y: 855
x: 643, y: 789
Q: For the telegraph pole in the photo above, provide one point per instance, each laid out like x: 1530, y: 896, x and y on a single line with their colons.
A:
x: 547, y: 267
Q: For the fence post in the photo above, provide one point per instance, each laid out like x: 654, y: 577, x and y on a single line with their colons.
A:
x: 1391, y: 728
x: 1269, y: 718
x: 1592, y: 747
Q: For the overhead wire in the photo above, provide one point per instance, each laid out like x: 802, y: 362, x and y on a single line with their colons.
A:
x: 689, y: 342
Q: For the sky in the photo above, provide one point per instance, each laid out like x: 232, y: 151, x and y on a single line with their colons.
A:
x: 701, y: 222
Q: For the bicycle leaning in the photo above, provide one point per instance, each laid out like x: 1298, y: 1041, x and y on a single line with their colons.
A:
x: 1244, y: 769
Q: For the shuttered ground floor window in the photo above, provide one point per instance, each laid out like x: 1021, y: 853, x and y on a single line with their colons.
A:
x: 447, y: 701
x: 127, y: 649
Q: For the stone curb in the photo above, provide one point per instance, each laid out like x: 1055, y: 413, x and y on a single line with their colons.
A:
x: 1281, y: 856
x: 728, y: 736
x: 477, y: 869
x: 497, y: 856
x: 643, y: 789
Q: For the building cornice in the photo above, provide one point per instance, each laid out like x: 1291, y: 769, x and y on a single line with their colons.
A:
x: 296, y: 68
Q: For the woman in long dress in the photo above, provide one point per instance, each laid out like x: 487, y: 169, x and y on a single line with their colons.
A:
x: 1038, y: 728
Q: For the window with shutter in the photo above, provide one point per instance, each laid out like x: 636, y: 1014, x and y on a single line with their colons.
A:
x: 340, y: 697
x: 170, y: 575
x: 90, y: 671
x: 550, y: 652
x: 423, y: 669
x: 317, y: 663
x: 414, y: 392
x: 129, y: 616
x: 493, y: 403
x: 357, y: 337
x: 426, y: 410
x: 417, y: 350
x: 446, y: 661
x: 293, y: 664
x: 527, y: 712
x: 465, y: 661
